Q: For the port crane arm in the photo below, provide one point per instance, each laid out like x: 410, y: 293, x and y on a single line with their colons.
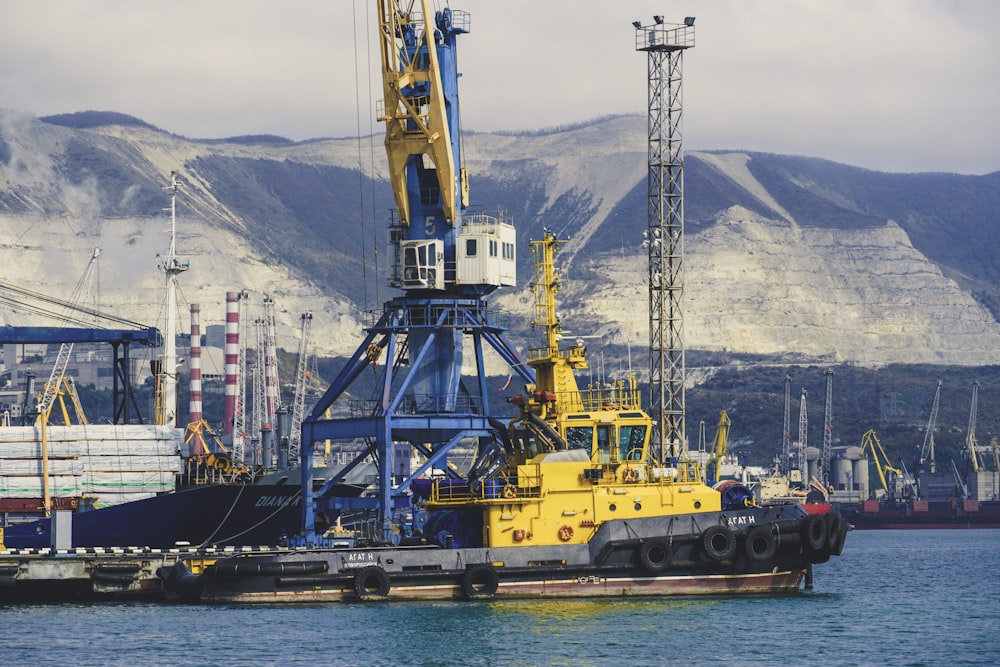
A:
x: 870, y: 443
x: 416, y: 113
x: 970, y: 438
x: 719, y: 445
x: 927, y: 451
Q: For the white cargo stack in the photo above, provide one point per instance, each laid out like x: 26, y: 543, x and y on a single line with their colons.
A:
x: 112, y: 463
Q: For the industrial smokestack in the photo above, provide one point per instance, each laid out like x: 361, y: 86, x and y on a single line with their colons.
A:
x: 232, y: 354
x: 197, y: 442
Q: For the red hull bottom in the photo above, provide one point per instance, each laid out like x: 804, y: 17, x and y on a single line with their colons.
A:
x: 576, y: 587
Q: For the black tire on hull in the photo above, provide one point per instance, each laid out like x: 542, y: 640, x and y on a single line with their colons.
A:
x: 833, y: 532
x: 814, y: 532
x: 480, y: 581
x: 189, y: 587
x: 761, y: 544
x: 371, y: 583
x: 841, y: 536
x: 655, y: 555
x: 719, y: 543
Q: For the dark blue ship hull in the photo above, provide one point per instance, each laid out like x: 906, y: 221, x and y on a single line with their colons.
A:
x: 237, y: 515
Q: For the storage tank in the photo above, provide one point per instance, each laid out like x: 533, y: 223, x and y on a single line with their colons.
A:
x: 812, y: 463
x: 841, y: 472
x: 860, y: 480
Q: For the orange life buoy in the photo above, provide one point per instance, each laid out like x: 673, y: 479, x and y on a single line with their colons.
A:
x: 630, y: 475
x: 566, y: 533
x: 509, y: 491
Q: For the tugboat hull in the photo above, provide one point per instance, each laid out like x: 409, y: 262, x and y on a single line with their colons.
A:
x: 752, y: 551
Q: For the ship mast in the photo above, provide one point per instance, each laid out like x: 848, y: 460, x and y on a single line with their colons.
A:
x: 165, y: 407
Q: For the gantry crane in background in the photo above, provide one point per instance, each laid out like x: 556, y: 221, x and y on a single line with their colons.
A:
x: 799, y: 473
x: 56, y: 381
x: 302, y: 376
x: 785, y: 462
x: 870, y: 444
x: 927, y: 451
x: 823, y: 464
x: 720, y: 446
x: 970, y: 437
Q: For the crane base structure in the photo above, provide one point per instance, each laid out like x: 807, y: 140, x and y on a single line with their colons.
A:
x: 431, y: 416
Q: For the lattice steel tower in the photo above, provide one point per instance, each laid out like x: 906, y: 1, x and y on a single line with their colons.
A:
x: 664, y: 44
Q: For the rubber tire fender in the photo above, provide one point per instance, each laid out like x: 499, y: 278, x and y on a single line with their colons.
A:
x: 371, y: 583
x: 480, y: 581
x: 834, y: 525
x: 189, y: 587
x: 719, y: 543
x: 814, y: 532
x: 655, y: 555
x: 838, y: 545
x: 761, y: 544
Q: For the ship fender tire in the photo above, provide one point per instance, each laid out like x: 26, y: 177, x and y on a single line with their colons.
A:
x: 719, y: 543
x: 833, y: 521
x: 837, y: 547
x: 814, y: 533
x: 479, y: 582
x: 189, y: 587
x: 761, y: 544
x: 655, y: 555
x: 371, y: 584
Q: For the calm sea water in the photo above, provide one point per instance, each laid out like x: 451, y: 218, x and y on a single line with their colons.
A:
x: 893, y: 598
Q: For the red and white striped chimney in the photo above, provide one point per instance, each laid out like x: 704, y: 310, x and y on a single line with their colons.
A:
x: 271, y: 393
x: 197, y: 445
x: 232, y: 360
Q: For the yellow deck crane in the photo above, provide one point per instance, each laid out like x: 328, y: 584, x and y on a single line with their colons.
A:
x: 970, y: 438
x: 719, y: 448
x: 870, y: 443
x: 53, y: 388
x: 927, y: 451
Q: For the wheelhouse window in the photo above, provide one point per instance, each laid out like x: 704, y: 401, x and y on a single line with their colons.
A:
x: 632, y: 438
x: 604, y: 442
x: 580, y: 437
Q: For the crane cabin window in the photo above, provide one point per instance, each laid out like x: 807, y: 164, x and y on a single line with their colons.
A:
x: 470, y: 247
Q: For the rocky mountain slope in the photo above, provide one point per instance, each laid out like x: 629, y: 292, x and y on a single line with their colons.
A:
x: 794, y: 257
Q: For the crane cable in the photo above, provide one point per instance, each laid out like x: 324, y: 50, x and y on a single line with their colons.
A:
x: 371, y: 155
x: 361, y: 171
x: 68, y: 306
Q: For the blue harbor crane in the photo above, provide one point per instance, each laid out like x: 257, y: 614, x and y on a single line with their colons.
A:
x: 446, y: 262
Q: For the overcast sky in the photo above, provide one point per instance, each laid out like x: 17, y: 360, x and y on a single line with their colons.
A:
x: 895, y: 85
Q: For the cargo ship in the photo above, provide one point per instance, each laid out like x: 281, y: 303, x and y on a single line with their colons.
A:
x: 904, y: 514
x: 932, y: 500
